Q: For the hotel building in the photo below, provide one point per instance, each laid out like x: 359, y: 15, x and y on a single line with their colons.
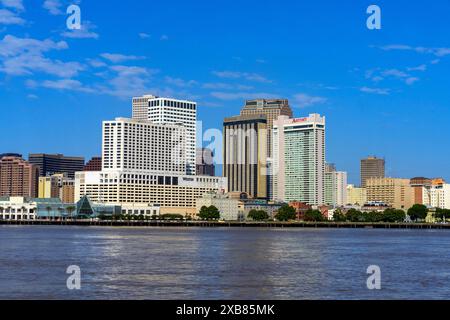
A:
x: 18, y: 178
x: 299, y: 159
x: 356, y: 196
x: 394, y: 191
x: 144, y: 165
x: 167, y: 110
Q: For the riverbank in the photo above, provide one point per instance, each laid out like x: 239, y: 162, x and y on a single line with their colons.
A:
x: 230, y: 224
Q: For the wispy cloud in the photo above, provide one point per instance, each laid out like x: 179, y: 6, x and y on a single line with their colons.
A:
x: 180, y: 82
x: 14, y: 4
x: 164, y: 37
x: 439, y: 52
x: 8, y: 17
x: 303, y: 100
x: 380, y: 91
x: 144, y: 35
x: 422, y: 67
x: 26, y: 56
x: 241, y: 95
x: 84, y: 33
x: 117, y: 57
x: 53, y: 7
x: 241, y: 75
x: 61, y: 84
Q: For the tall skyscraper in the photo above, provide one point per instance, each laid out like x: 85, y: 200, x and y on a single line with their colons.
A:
x: 167, y: 110
x: 142, y: 145
x: 245, y: 154
x: 271, y: 109
x: 371, y: 167
x: 18, y: 178
x: 205, y: 162
x: 299, y: 159
x: 50, y: 164
x: 335, y: 186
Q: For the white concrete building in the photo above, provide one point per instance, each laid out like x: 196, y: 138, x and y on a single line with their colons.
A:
x: 167, y: 110
x: 437, y: 196
x: 299, y: 159
x: 228, y: 207
x: 336, y: 188
x: 141, y: 145
x: 17, y: 208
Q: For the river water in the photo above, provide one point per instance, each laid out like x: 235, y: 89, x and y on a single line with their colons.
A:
x: 222, y: 263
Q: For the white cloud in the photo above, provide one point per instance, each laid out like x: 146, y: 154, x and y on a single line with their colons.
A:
x: 53, y: 7
x: 84, y: 33
x: 411, y: 80
x: 303, y: 100
x: 241, y: 75
x: 65, y: 84
x: 164, y: 37
x: 144, y: 35
x: 241, y: 95
x: 180, y: 82
x: 117, y: 57
x: 379, y: 91
x: 9, y: 18
x: 14, y: 4
x: 25, y: 56
x: 439, y: 52
x: 422, y: 67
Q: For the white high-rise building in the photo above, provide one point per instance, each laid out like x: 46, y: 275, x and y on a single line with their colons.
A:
x: 437, y: 196
x: 168, y: 110
x: 299, y: 159
x: 335, y: 187
x: 141, y: 145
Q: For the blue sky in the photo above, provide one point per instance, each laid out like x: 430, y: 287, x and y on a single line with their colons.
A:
x: 384, y: 92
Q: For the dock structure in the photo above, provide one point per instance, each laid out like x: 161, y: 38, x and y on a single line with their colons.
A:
x: 227, y: 224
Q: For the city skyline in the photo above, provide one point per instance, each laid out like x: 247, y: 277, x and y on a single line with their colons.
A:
x: 383, y: 92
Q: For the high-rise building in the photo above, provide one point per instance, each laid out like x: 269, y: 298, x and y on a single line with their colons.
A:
x: 50, y: 164
x: 205, y: 162
x: 356, y: 195
x: 437, y: 196
x: 335, y: 186
x: 142, y: 145
x: 144, y: 166
x: 299, y: 159
x: 245, y: 154
x: 17, y: 155
x: 18, y: 178
x: 167, y: 110
x: 371, y: 167
x: 95, y: 164
x: 394, y: 191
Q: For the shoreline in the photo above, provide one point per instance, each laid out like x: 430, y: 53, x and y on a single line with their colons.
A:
x: 230, y: 224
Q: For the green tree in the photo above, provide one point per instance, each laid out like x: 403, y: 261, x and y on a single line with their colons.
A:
x: 338, y: 216
x: 258, y: 215
x: 354, y: 215
x: 314, y: 215
x: 418, y: 212
x: 209, y: 213
x: 286, y: 213
x: 393, y: 215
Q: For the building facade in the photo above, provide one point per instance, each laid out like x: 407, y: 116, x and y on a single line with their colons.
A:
x: 141, y: 145
x: 245, y: 155
x: 228, y: 206
x: 167, y: 110
x: 335, y: 186
x: 371, y: 167
x: 50, y: 164
x: 356, y: 196
x: 172, y: 193
x: 205, y: 162
x: 18, y: 178
x: 95, y: 164
x: 393, y: 191
x: 57, y: 186
x: 299, y: 159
